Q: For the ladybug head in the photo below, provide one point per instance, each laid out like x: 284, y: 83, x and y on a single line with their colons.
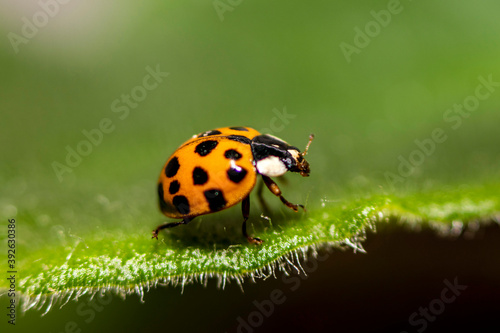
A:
x: 301, y: 165
x: 274, y: 157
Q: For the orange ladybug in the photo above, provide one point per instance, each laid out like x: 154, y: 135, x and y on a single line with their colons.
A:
x: 217, y: 169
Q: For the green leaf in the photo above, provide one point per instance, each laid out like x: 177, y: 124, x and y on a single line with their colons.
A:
x: 128, y: 261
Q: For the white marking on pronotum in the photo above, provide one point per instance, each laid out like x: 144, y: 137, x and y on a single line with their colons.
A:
x: 271, y: 166
x: 295, y: 154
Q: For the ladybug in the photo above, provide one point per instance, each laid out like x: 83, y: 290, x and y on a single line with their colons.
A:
x: 217, y: 169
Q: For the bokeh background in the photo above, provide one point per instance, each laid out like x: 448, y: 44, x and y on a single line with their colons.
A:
x: 278, y: 67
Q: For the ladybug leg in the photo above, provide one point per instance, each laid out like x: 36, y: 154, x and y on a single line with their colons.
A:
x: 273, y: 187
x: 186, y: 220
x: 245, y: 208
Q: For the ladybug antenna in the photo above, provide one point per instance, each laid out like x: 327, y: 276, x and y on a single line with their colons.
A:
x: 311, y: 137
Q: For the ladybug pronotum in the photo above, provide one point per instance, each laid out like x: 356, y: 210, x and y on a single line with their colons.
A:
x: 217, y: 169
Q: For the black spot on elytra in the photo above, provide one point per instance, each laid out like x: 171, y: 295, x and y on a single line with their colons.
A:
x: 163, y: 204
x: 204, y: 148
x: 239, y: 128
x: 237, y: 174
x: 209, y: 133
x: 200, y: 176
x: 182, y: 204
x: 232, y: 154
x: 240, y: 139
x: 174, y: 187
x: 215, y: 199
x: 172, y: 167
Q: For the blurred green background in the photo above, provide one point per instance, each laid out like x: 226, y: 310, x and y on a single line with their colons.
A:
x: 245, y: 63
